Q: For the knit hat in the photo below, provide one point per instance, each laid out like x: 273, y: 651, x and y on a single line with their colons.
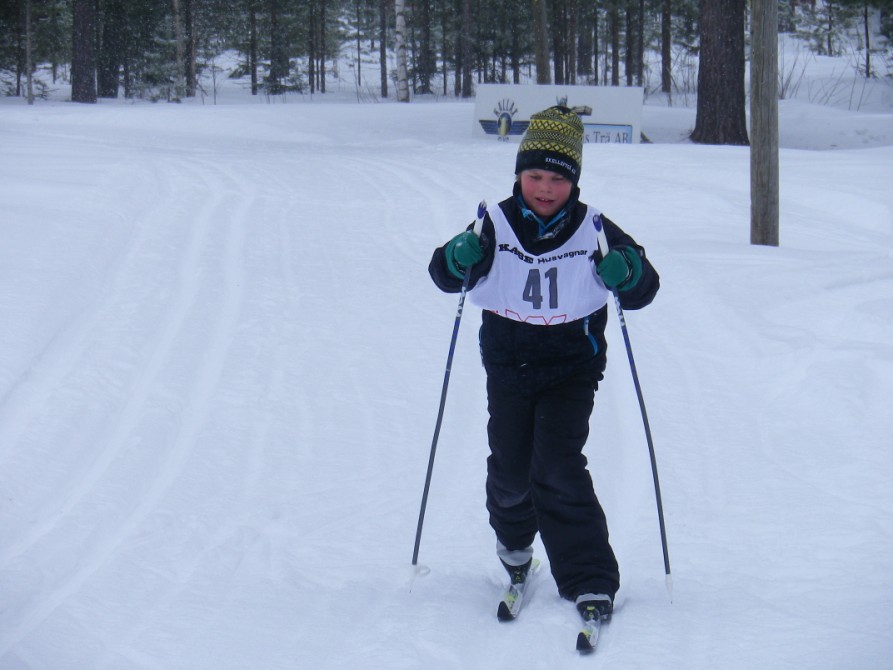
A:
x: 553, y: 141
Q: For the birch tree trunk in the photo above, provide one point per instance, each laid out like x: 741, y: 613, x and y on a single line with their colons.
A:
x: 400, y: 47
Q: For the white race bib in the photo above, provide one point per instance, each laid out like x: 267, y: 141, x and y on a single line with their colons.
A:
x: 557, y: 287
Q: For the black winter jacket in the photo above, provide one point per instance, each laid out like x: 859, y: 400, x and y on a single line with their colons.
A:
x: 530, y: 357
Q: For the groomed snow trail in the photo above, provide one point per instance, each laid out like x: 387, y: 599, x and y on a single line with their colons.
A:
x: 220, y: 369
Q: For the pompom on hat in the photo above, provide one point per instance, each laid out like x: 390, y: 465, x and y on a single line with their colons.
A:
x: 553, y: 141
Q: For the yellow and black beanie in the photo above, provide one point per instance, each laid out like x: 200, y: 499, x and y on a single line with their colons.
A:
x: 553, y: 141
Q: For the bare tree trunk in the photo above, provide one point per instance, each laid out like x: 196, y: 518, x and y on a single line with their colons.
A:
x: 444, y: 46
x: 830, y: 6
x: 400, y: 47
x: 28, y: 59
x: 467, y: 49
x: 321, y: 70
x: 425, y: 66
x: 516, y: 57
x: 312, y: 48
x: 180, y: 84
x: 191, y: 47
x: 867, y: 41
x: 559, y: 31
x: 666, y: 53
x: 764, y: 198
x: 584, y: 42
x: 635, y: 42
x: 359, y: 51
x: 278, y: 50
x: 541, y: 29
x: 571, y: 41
x: 459, y: 45
x: 112, y: 50
x: 595, y: 46
x: 614, y: 27
x: 383, y: 45
x: 640, y: 45
x: 252, y: 44
x: 630, y: 46
x: 721, y: 116
x: 83, y: 54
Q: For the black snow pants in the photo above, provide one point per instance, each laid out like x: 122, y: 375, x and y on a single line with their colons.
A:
x: 537, y: 481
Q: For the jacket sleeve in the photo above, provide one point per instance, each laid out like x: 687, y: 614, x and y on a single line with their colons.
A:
x: 644, y: 291
x: 444, y: 279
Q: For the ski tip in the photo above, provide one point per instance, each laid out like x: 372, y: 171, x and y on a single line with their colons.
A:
x: 482, y: 209
x: 597, y: 220
x: 504, y: 613
x: 584, y: 646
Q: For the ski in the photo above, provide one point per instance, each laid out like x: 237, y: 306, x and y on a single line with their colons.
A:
x: 587, y: 638
x: 593, y: 613
x: 513, y: 598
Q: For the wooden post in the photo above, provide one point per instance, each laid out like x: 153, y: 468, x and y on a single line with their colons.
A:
x: 764, y: 198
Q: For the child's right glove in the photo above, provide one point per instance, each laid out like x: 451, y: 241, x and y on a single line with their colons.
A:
x: 462, y: 252
x: 621, y: 268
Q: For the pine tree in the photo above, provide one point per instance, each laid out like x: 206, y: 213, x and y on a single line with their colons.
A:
x: 83, y: 54
x: 720, y: 116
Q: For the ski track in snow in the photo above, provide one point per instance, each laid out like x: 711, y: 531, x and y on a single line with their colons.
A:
x: 166, y: 343
x: 162, y: 366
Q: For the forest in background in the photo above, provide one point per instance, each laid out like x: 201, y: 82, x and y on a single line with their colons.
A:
x: 160, y: 49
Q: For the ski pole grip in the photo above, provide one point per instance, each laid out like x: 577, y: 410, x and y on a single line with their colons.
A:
x: 602, y: 238
x: 479, y: 220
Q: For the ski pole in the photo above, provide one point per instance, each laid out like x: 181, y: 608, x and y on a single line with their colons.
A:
x: 603, y: 249
x: 478, y: 224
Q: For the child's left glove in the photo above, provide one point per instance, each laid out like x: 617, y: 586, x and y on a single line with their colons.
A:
x: 621, y: 268
x: 462, y: 252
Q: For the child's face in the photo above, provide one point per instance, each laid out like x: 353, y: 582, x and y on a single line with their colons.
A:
x: 545, y: 192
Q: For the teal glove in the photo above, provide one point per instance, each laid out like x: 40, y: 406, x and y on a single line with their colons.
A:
x: 620, y: 269
x: 462, y: 252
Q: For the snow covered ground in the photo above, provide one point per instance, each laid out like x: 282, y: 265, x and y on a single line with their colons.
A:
x: 221, y: 358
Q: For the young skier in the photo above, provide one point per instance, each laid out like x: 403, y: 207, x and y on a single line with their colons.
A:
x: 543, y: 286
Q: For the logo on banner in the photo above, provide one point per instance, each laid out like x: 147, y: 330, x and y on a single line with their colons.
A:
x: 504, y: 125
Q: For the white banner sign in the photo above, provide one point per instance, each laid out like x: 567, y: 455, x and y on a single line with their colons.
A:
x: 610, y: 114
